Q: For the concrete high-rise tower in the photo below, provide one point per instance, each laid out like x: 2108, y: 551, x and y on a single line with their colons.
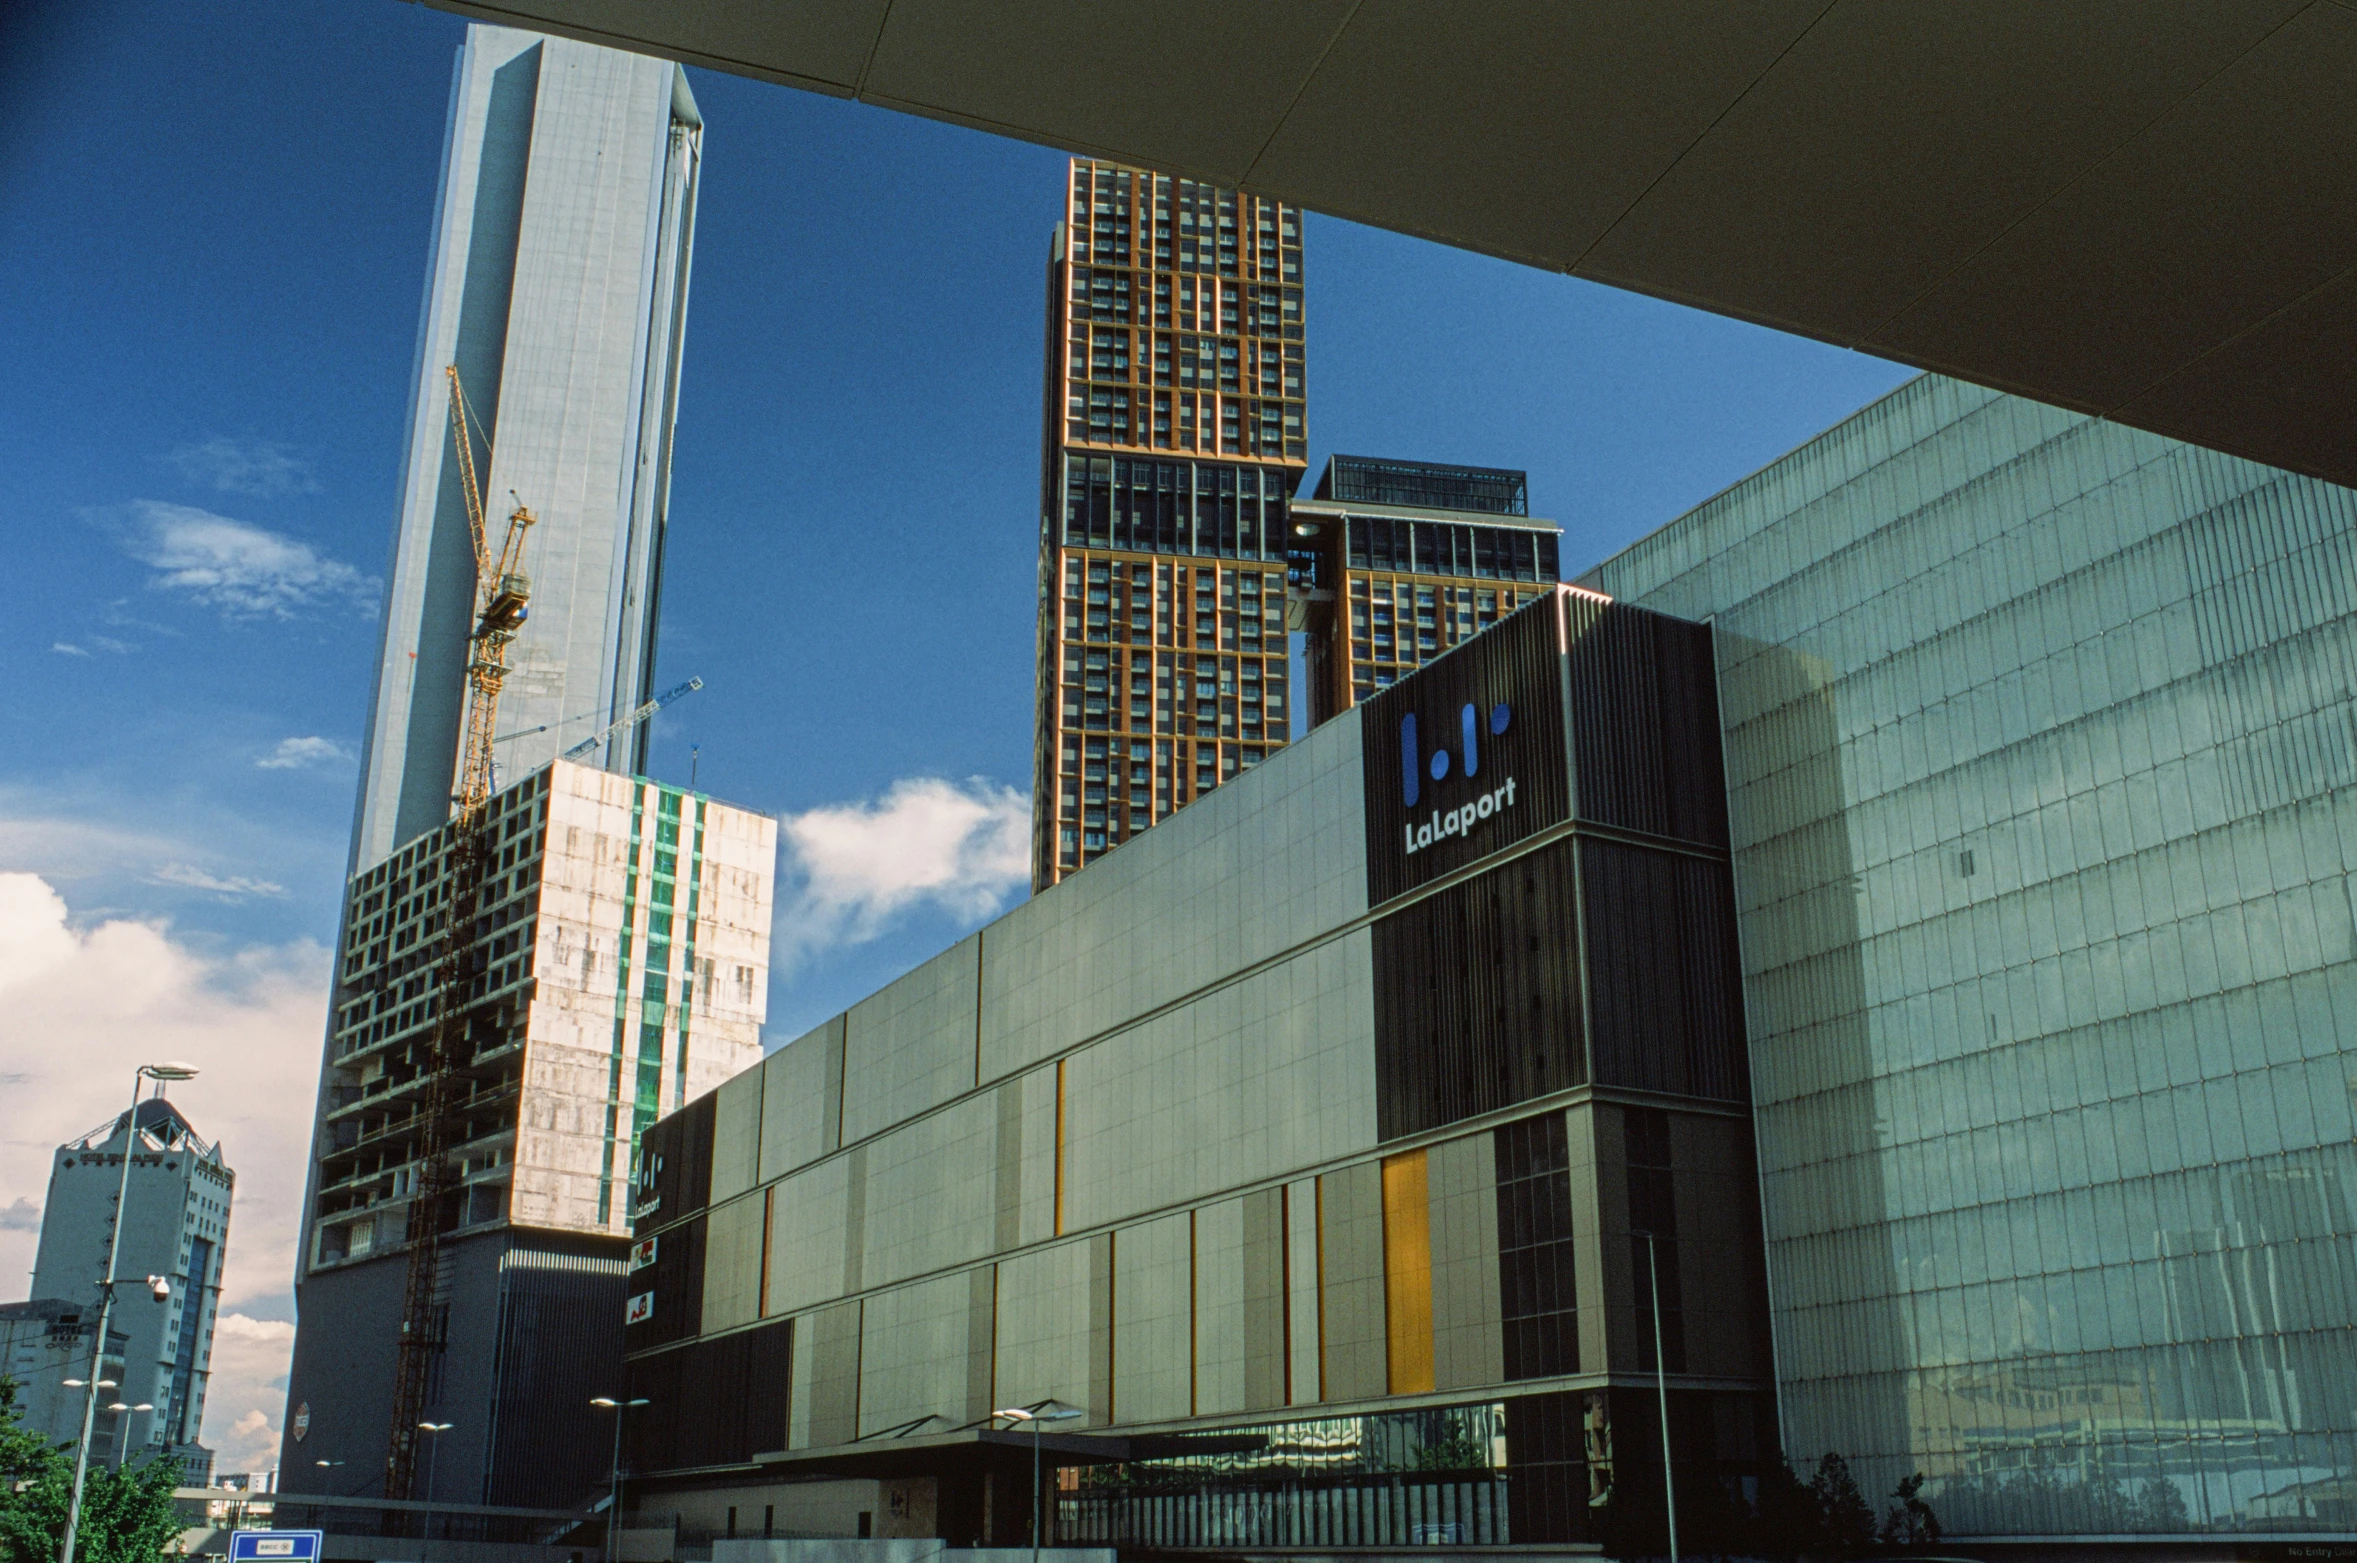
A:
x: 1174, y: 440
x: 616, y: 949
x: 558, y: 287
x: 160, y: 1351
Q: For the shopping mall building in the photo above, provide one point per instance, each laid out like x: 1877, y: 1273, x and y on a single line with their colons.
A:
x: 1884, y: 937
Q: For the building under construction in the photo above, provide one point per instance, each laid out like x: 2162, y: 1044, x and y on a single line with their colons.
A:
x: 536, y: 956
x: 617, y: 967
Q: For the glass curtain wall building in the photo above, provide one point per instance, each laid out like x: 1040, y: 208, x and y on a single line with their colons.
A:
x: 1174, y: 437
x: 2040, y: 741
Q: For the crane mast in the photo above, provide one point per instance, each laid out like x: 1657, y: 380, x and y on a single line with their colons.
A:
x: 503, y: 595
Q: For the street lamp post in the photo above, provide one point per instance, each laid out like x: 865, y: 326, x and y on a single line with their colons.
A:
x: 1661, y: 1389
x: 425, y: 1540
x: 614, y: 1494
x: 1035, y: 1417
x: 118, y: 1408
x: 106, y: 1298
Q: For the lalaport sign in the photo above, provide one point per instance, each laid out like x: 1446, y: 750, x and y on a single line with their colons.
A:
x: 1466, y: 757
x: 1462, y: 817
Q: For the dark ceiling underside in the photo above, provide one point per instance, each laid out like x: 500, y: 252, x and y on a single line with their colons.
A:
x: 2145, y: 209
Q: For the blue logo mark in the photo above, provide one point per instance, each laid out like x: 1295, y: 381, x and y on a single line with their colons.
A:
x: 1469, y: 723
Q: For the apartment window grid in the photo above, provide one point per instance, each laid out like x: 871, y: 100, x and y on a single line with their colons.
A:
x: 2044, y: 827
x: 1171, y: 679
x: 1177, y: 438
x: 1181, y: 318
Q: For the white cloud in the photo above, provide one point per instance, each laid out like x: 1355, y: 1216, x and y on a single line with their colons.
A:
x: 67, y: 650
x: 81, y: 1008
x: 926, y: 843
x: 241, y: 569
x: 260, y: 467
x: 121, y: 648
x: 197, y: 879
x: 296, y: 753
x: 20, y: 1215
x: 245, y: 1404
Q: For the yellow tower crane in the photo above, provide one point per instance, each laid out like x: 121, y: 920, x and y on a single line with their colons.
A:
x: 503, y: 597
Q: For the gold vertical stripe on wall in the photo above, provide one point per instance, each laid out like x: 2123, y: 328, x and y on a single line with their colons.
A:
x: 1407, y: 1273
x: 1284, y: 1282
x: 1194, y: 1311
x: 1325, y: 1329
x: 1059, y: 1148
x: 768, y: 1212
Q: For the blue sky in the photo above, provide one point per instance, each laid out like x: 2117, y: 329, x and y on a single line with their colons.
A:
x: 213, y: 231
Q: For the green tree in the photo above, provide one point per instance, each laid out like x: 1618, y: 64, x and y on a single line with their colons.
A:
x: 127, y: 1515
x: 1848, y: 1518
x: 1910, y: 1522
x: 2163, y: 1506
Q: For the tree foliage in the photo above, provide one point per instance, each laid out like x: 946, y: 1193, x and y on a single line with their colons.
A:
x: 127, y: 1515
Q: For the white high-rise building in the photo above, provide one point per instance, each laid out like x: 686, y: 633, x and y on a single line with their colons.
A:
x: 160, y: 1349
x: 558, y: 287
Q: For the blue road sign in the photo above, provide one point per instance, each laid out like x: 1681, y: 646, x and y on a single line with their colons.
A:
x: 276, y: 1546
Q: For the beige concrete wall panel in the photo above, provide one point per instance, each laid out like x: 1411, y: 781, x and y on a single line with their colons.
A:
x: 1006, y: 1217
x: 981, y: 1341
x: 855, y: 1219
x: 1152, y: 1320
x: 1035, y: 1216
x: 1043, y: 1326
x: 1302, y: 1299
x: 1100, y: 1330
x: 736, y: 1135
x: 1219, y: 1308
x: 1587, y: 1234
x: 912, y: 1358
x: 803, y: 1347
x: 798, y: 1110
x: 834, y: 1375
x: 1246, y: 1083
x: 1355, y: 1325
x: 1467, y: 1341
x: 1263, y: 1258
x: 1612, y: 1305
x: 809, y: 1214
x: 733, y: 1239
x: 910, y: 1045
x: 1266, y: 862
x: 931, y: 1192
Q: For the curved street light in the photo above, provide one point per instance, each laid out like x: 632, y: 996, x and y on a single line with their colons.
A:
x: 620, y: 1408
x: 433, y: 1462
x: 106, y: 1297
x: 118, y: 1408
x: 1036, y: 1416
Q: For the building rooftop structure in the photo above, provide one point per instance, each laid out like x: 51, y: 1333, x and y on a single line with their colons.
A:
x: 1424, y: 485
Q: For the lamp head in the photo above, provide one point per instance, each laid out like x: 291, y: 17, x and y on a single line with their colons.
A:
x: 608, y: 1401
x: 168, y: 1071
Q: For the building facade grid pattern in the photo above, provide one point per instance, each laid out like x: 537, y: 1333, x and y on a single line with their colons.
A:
x: 2039, y: 744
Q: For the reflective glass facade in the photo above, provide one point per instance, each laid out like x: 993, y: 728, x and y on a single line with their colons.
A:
x: 2040, y: 743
